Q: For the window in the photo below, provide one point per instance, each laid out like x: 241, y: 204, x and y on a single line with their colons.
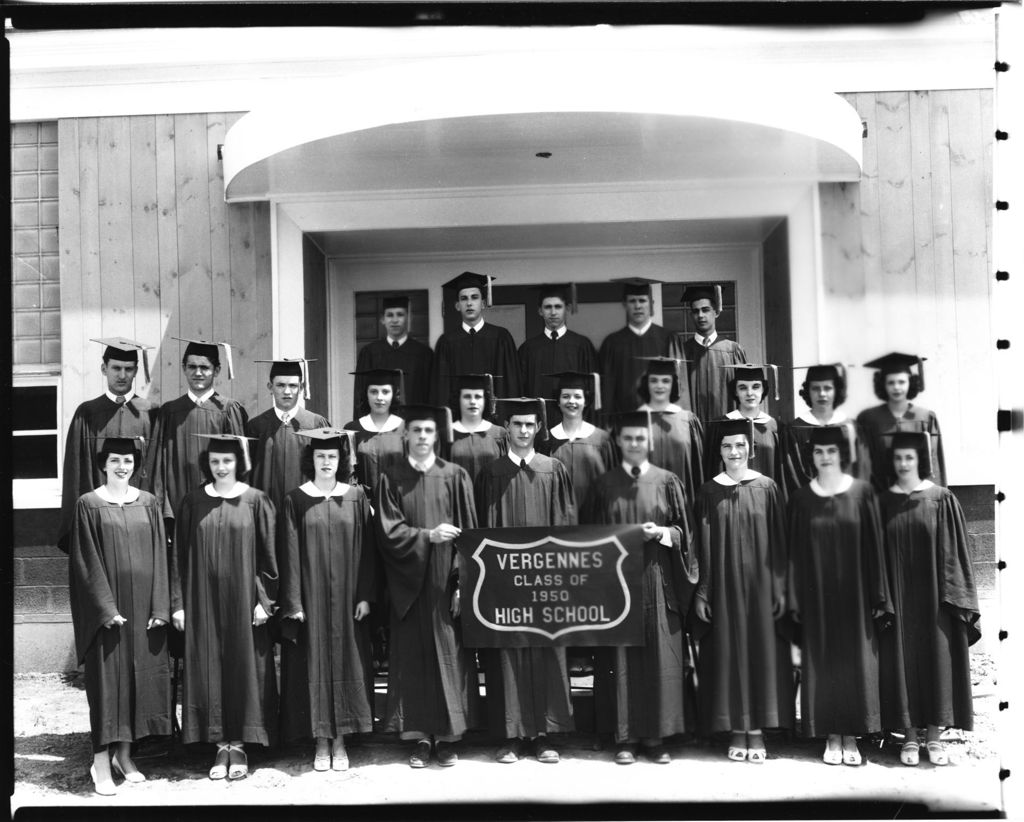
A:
x: 36, y: 443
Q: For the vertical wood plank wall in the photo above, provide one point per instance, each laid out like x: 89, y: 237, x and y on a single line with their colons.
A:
x: 149, y: 250
x: 906, y: 260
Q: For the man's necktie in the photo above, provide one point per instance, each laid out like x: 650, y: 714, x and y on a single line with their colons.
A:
x: 395, y: 345
x: 707, y: 342
x: 120, y: 400
x: 472, y: 332
x: 285, y: 418
x: 635, y: 471
x: 420, y: 467
x: 554, y: 336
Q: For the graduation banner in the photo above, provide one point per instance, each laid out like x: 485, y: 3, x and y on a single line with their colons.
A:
x: 568, y: 585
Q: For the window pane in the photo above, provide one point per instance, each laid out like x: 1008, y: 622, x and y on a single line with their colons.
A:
x: 34, y: 408
x: 34, y: 457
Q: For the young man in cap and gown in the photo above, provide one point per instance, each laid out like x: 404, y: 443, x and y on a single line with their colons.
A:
x: 476, y: 346
x: 117, y: 412
x: 397, y: 351
x: 527, y: 688
x: 423, y: 504
x: 705, y: 353
x: 638, y: 691
x: 619, y: 356
x: 556, y: 348
x: 276, y: 451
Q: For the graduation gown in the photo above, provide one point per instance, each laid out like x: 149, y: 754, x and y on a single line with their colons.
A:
x: 224, y: 564
x: 527, y: 688
x: 412, y: 358
x: 798, y: 468
x: 376, y: 450
x: 277, y: 453
x: 177, y: 471
x: 118, y: 565
x: 745, y: 671
x: 836, y: 578
x: 539, y: 355
x: 677, y: 445
x: 473, y: 450
x: 877, y: 421
x: 638, y: 691
x: 620, y: 368
x: 708, y: 382
x: 102, y: 417
x: 432, y: 681
x: 767, y: 457
x: 925, y: 663
x: 586, y: 458
x: 328, y: 562
x: 491, y: 350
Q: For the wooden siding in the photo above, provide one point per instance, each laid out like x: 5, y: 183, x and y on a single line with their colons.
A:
x: 906, y: 260
x: 149, y: 250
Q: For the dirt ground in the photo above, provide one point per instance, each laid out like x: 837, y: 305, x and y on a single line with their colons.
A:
x: 52, y: 756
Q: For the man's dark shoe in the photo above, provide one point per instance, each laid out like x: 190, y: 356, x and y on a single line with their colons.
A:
x: 446, y: 755
x: 545, y: 751
x: 420, y: 757
x: 625, y: 755
x: 658, y: 754
x: 511, y: 751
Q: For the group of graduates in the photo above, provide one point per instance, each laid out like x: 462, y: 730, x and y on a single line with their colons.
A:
x: 199, y: 534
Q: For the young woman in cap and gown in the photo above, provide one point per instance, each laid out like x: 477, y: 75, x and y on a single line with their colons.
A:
x: 638, y: 691
x: 748, y: 387
x: 925, y: 662
x: 678, y: 443
x: 224, y: 589
x: 276, y: 451
x: 838, y: 594
x: 378, y: 435
x: 898, y: 380
x: 476, y: 439
x: 824, y: 391
x: 583, y: 448
x: 423, y: 503
x: 120, y: 607
x: 745, y: 667
x: 117, y: 412
x: 327, y: 551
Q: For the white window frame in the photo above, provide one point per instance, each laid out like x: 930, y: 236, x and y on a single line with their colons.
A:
x: 46, y: 492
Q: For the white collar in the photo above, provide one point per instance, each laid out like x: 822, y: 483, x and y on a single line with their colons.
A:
x: 644, y: 466
x: 203, y: 398
x: 559, y: 333
x: 239, y: 489
x: 127, y: 397
x: 390, y: 424
x: 838, y: 416
x: 476, y: 327
x: 291, y: 414
x: 924, y: 485
x: 671, y: 408
x: 338, y: 490
x: 518, y: 460
x: 705, y: 341
x: 585, y: 430
x: 761, y: 417
x: 484, y: 425
x: 426, y: 465
x: 130, y: 496
x: 400, y: 340
x: 844, y: 486
x: 642, y: 329
x: 724, y: 479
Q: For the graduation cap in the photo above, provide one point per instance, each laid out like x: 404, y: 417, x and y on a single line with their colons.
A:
x: 841, y: 435
x: 291, y: 367
x: 241, y: 443
x: 205, y: 348
x: 395, y: 302
x: 564, y: 291
x: 509, y: 407
x: 579, y: 379
x: 719, y: 429
x: 896, y: 363
x: 475, y: 382
x: 713, y: 293
x: 755, y: 372
x: 125, y: 350
x: 328, y: 438
x: 919, y: 440
x: 441, y: 415
x: 631, y: 419
x: 394, y: 377
x: 470, y: 279
x: 635, y: 285
x: 123, y: 445
x: 663, y: 366
x: 824, y: 371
